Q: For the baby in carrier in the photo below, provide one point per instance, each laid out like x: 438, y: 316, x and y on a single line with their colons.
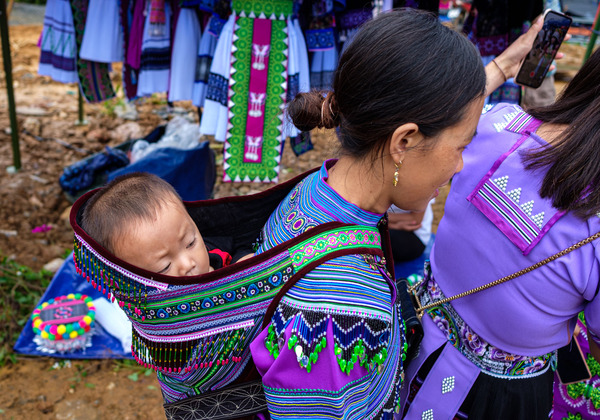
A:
x: 142, y: 220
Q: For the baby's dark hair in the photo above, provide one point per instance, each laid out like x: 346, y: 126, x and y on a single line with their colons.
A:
x: 126, y: 199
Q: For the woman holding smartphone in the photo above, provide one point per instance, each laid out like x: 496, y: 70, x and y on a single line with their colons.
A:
x: 526, y: 203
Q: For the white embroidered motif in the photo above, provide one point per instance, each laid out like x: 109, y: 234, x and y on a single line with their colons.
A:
x: 253, y: 144
x: 256, y: 102
x: 527, y: 207
x: 427, y: 415
x: 259, y: 52
x: 501, y: 182
x: 538, y: 219
x: 447, y: 384
x: 515, y: 194
x: 507, y: 119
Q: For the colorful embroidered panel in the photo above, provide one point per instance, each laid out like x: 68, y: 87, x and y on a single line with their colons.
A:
x: 197, y: 336
x: 94, y: 77
x: 257, y: 91
x: 519, y: 213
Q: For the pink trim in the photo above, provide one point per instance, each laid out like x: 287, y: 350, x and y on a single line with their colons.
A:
x: 61, y: 303
x: 257, y: 91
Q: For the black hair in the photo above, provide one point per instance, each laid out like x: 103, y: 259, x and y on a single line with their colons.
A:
x: 403, y: 66
x: 125, y: 200
x: 572, y: 179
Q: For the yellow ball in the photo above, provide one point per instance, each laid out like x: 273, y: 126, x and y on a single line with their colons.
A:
x: 44, y: 304
x: 73, y: 334
x: 61, y: 329
x: 71, y: 296
x: 37, y: 323
x: 87, y: 319
x: 90, y: 303
x: 44, y: 334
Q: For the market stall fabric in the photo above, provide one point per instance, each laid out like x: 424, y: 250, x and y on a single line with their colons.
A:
x: 240, y: 61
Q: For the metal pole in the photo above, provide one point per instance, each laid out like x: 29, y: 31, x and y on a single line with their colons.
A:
x: 593, y: 36
x: 12, y: 113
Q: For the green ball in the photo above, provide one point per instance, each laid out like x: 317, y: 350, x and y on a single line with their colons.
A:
x: 69, y: 328
x: 80, y: 331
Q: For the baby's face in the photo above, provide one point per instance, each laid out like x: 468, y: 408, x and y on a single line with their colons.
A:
x: 170, y: 245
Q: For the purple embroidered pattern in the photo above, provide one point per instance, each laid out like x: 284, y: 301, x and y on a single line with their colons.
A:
x: 489, y: 359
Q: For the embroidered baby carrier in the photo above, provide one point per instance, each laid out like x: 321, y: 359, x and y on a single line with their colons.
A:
x: 196, y: 331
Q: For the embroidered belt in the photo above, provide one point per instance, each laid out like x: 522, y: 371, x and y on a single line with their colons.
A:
x: 490, y: 359
x: 236, y: 401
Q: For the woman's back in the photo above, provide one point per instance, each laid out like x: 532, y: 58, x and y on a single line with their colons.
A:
x: 495, y: 224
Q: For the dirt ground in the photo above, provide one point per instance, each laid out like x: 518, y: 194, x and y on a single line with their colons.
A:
x: 41, y: 388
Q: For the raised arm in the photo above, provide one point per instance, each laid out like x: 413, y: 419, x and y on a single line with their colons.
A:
x: 507, y: 64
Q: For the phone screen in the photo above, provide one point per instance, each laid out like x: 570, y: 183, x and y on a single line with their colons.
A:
x: 538, y: 60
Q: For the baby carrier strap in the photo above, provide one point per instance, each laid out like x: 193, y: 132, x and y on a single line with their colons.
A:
x: 313, y: 248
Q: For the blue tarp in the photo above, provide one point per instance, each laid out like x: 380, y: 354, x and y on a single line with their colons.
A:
x: 192, y: 173
x: 65, y: 281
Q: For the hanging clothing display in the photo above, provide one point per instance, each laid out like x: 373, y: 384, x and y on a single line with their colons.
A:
x: 94, y: 77
x: 58, y: 58
x: 252, y: 57
x: 155, y: 58
x: 103, y: 35
x: 215, y: 115
x: 257, y: 90
x: 132, y: 21
x: 185, y: 45
x: 206, y: 52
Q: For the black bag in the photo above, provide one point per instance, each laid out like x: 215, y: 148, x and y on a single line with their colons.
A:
x: 414, y: 329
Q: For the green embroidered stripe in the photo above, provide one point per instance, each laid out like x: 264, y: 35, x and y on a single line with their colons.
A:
x: 314, y: 248
x: 269, y: 8
x: 242, y: 282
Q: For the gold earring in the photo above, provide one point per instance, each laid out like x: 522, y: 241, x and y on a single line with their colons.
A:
x: 396, y: 173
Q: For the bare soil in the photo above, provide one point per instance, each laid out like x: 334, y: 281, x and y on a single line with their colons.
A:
x: 39, y: 387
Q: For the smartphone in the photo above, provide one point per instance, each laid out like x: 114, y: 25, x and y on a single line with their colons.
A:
x: 538, y: 60
x: 571, y: 364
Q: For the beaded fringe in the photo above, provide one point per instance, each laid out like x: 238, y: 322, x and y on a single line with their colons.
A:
x: 358, y: 340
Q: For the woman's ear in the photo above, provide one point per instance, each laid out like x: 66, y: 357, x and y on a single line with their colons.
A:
x: 404, y: 138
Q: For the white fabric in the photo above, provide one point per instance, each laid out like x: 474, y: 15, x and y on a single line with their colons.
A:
x: 297, y: 65
x: 183, y: 64
x: 150, y: 80
x: 103, y: 34
x: 58, y: 36
x: 424, y: 232
x: 207, y: 47
x: 215, y: 116
x: 114, y: 321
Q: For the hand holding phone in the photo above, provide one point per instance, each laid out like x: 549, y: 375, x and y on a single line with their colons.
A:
x: 537, y: 62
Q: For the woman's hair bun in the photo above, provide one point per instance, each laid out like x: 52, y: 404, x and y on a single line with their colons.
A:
x: 312, y: 109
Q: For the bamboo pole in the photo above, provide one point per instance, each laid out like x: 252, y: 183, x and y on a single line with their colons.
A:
x: 12, y: 113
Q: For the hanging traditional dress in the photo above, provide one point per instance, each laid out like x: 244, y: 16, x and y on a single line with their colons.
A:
x: 103, y: 35
x: 298, y: 81
x: 257, y: 91
x: 132, y: 21
x: 185, y: 46
x: 216, y: 113
x: 322, y: 42
x: 94, y: 77
x: 206, y: 52
x: 58, y: 58
x: 156, y: 49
